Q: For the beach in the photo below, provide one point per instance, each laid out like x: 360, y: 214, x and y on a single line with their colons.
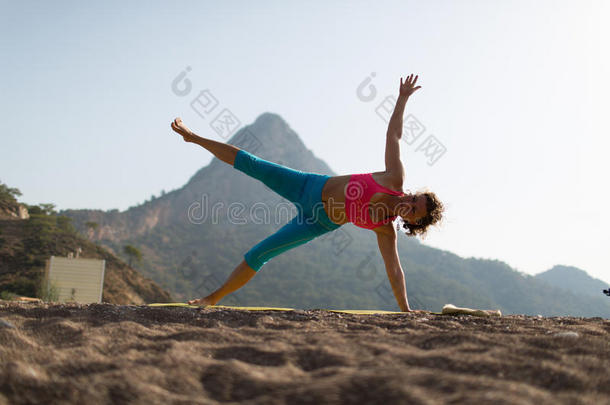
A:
x: 105, y: 353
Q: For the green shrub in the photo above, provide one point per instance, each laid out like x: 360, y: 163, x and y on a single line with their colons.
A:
x: 48, y: 291
x: 22, y: 286
x: 7, y: 295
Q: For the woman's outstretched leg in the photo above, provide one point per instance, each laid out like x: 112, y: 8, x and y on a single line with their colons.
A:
x: 298, y: 231
x: 240, y: 276
x: 221, y: 150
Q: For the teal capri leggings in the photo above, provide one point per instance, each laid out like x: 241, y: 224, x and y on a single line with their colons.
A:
x: 301, y: 188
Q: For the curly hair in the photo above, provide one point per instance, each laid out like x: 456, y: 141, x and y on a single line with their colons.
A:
x: 434, y: 208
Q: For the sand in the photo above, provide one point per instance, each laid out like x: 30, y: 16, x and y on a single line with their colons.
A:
x: 104, y: 353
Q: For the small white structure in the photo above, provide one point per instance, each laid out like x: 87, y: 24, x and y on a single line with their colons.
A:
x: 76, y: 280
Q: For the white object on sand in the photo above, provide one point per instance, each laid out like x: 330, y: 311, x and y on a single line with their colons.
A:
x: 451, y: 309
x: 568, y: 334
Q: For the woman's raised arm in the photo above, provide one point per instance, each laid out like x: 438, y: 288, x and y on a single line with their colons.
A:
x: 393, y: 164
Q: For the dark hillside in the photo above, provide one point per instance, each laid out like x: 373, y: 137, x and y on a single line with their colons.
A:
x: 26, y: 243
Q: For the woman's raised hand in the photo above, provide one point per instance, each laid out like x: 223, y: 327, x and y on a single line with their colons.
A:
x: 407, y: 88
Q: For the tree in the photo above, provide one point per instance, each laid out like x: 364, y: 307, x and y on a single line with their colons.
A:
x: 41, y: 209
x: 133, y: 253
x: 91, y: 225
x: 64, y: 223
x: 48, y: 209
x: 8, y: 193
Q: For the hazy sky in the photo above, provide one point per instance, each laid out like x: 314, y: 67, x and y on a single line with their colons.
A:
x: 515, y: 91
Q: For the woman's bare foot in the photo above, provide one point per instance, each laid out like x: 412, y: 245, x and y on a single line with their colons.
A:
x: 201, y: 301
x: 178, y: 126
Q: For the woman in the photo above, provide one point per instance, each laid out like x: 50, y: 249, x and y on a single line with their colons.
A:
x: 324, y: 203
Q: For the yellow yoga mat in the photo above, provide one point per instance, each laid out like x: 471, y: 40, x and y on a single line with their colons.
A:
x: 182, y: 304
x: 363, y: 311
x: 345, y: 311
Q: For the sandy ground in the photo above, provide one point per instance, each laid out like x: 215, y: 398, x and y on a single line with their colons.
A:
x: 90, y: 354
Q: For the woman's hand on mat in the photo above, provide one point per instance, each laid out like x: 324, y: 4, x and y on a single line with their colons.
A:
x: 408, y: 86
x: 178, y: 126
x: 418, y: 311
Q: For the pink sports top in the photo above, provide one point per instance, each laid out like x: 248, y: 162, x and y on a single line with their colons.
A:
x: 358, y: 192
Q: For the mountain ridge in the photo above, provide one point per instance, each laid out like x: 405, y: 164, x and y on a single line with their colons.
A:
x: 572, y: 278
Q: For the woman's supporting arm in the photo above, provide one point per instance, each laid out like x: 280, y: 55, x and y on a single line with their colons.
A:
x: 386, y: 239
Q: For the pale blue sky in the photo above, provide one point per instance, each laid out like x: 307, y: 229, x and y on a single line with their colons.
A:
x: 514, y: 90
